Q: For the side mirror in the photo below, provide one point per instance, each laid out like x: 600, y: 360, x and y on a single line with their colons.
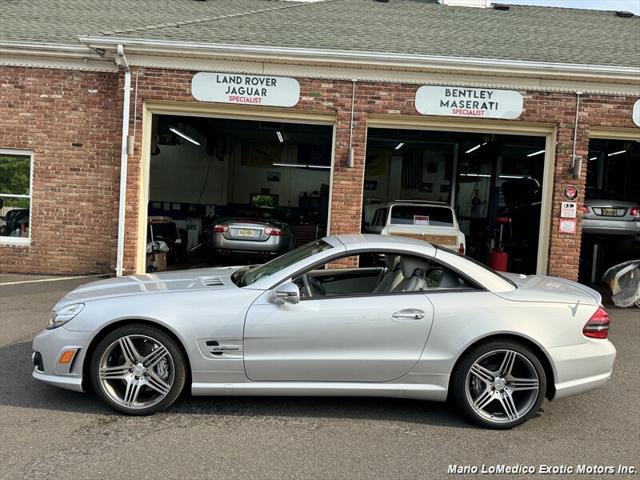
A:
x: 287, y: 293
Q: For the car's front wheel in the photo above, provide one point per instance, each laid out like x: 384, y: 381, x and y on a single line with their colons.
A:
x: 499, y: 384
x: 138, y: 369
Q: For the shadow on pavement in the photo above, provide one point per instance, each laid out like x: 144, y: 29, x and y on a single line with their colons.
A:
x: 19, y: 389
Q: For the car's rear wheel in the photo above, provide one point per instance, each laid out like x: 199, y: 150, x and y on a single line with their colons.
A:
x: 138, y: 369
x: 499, y: 384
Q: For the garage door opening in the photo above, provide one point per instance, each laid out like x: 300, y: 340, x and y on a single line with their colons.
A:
x: 492, y: 182
x: 225, y: 191
x: 611, y: 217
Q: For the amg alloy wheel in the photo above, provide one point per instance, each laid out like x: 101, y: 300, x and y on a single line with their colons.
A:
x: 138, y: 369
x: 500, y: 384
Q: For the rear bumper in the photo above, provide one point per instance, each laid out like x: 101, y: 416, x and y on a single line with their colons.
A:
x: 580, y: 368
x: 271, y: 245
x: 611, y: 227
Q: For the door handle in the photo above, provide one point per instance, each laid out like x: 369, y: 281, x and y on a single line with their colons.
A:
x: 409, y: 314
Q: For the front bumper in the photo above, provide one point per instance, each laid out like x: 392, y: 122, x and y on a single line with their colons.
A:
x: 580, y: 368
x: 50, y: 344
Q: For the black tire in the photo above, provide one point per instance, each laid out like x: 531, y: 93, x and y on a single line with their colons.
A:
x: 178, y: 360
x: 461, y: 377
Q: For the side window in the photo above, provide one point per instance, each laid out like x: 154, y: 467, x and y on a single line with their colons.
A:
x: 15, y: 196
x: 378, y: 273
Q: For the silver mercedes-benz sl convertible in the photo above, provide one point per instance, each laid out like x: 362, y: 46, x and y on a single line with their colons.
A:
x: 359, y: 315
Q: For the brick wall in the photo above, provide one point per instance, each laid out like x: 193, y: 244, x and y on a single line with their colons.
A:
x: 70, y: 121
x: 320, y: 96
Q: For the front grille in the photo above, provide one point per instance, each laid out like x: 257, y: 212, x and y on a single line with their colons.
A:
x: 37, y: 361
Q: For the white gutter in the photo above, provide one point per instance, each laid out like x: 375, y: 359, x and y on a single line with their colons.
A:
x: 54, y: 47
x: 369, y: 58
x: 121, y: 60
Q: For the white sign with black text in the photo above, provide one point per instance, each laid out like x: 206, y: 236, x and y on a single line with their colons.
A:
x: 569, y: 210
x: 245, y: 89
x: 469, y: 102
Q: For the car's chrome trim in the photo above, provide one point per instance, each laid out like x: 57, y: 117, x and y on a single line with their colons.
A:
x: 341, y: 389
x: 68, y: 383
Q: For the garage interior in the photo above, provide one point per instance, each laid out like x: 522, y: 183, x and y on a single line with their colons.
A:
x: 205, y: 169
x: 613, y: 173
x: 485, y: 177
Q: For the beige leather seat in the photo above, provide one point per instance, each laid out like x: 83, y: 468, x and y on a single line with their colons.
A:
x: 414, y: 273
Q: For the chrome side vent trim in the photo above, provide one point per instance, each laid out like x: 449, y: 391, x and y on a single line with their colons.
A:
x: 212, y: 281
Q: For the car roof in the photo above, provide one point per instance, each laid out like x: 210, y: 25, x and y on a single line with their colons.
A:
x: 413, y: 203
x: 372, y: 240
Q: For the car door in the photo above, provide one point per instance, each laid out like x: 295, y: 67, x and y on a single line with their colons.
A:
x: 364, y: 338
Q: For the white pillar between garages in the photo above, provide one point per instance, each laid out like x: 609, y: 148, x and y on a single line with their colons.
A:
x: 122, y: 61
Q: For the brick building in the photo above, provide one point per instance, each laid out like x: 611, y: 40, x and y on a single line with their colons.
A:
x: 321, y: 108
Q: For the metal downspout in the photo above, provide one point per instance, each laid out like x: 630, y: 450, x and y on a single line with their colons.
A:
x: 121, y: 60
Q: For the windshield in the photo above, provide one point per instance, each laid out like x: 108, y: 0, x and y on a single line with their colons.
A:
x: 421, y: 215
x: 249, y: 275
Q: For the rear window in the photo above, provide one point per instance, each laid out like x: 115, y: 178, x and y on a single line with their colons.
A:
x: 421, y: 215
x: 262, y: 214
x: 593, y: 194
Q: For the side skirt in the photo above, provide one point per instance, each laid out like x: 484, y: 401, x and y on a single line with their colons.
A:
x: 331, y: 389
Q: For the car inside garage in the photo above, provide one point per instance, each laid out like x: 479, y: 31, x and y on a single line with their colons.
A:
x: 492, y: 182
x: 229, y: 191
x: 611, y: 226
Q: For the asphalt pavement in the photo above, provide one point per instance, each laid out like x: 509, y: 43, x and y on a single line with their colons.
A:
x: 51, y: 433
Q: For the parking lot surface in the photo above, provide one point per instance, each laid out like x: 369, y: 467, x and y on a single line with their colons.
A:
x: 50, y: 433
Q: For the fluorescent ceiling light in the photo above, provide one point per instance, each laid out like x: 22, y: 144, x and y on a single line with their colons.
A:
x: 593, y: 158
x: 535, y: 153
x: 473, y: 149
x: 616, y: 153
x: 299, y: 165
x: 279, y: 135
x: 483, y: 175
x: 399, y: 146
x: 186, y: 137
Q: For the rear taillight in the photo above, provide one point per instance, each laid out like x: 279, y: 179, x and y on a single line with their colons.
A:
x: 220, y: 228
x: 461, y: 249
x: 273, y: 231
x: 598, y: 325
x: 635, y: 212
x: 585, y: 209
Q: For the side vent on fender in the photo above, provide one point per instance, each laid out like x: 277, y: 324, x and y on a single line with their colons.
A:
x: 212, y: 281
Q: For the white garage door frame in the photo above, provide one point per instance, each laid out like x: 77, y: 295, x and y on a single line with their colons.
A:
x: 232, y: 112
x: 498, y: 127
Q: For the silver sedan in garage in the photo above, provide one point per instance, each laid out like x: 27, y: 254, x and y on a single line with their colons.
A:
x: 357, y: 315
x: 256, y: 231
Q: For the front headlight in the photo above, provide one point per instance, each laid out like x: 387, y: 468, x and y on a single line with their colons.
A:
x: 63, y: 315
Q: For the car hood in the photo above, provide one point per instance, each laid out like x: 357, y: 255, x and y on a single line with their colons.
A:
x: 539, y: 288
x: 183, y: 280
